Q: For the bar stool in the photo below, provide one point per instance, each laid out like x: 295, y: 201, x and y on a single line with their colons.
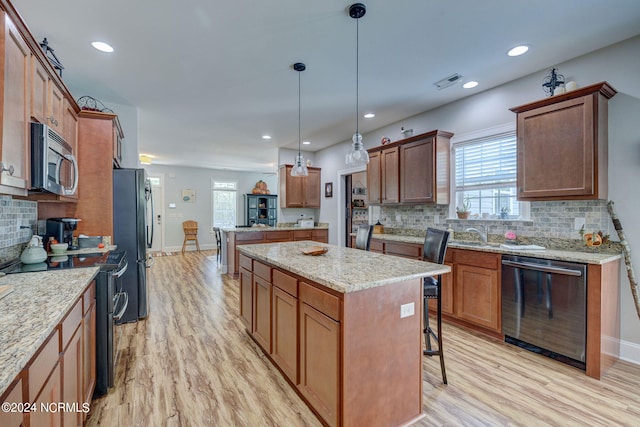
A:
x: 190, y: 228
x: 216, y: 231
x: 434, y: 250
x: 363, y: 237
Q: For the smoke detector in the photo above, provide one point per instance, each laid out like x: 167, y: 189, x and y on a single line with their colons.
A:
x: 448, y: 81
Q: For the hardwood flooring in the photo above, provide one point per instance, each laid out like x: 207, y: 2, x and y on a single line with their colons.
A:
x: 191, y: 363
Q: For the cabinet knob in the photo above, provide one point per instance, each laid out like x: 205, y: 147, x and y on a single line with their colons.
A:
x: 10, y: 169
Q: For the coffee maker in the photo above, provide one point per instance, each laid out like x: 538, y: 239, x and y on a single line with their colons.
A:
x: 62, y: 230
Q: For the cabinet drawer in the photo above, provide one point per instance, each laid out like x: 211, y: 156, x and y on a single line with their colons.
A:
x: 303, y: 235
x: 89, y: 297
x: 278, y: 236
x: 71, y: 323
x: 403, y: 249
x: 377, y: 246
x: 246, y: 262
x: 252, y: 236
x: 285, y: 282
x: 43, y: 364
x: 322, y: 301
x: 262, y: 270
x: 478, y: 259
x: 320, y: 236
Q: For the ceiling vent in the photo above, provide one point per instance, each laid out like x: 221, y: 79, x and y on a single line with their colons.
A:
x: 448, y: 81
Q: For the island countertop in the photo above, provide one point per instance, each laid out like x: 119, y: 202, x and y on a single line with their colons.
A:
x: 37, y: 303
x: 342, y: 269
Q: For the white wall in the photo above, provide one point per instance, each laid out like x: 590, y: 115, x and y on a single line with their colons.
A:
x: 620, y: 66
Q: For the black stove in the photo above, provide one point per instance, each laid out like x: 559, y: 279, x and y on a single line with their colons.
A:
x: 105, y: 260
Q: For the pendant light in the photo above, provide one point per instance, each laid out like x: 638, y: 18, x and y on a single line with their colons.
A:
x: 299, y: 167
x: 358, y: 155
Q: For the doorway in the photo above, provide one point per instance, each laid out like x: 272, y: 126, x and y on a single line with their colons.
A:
x: 355, y: 204
x: 157, y: 189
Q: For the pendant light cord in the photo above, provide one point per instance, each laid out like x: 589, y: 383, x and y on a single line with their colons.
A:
x: 357, y: 74
x: 299, y: 107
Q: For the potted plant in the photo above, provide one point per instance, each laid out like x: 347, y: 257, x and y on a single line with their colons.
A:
x: 464, y: 210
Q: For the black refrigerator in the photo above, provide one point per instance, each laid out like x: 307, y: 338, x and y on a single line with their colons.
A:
x: 133, y: 233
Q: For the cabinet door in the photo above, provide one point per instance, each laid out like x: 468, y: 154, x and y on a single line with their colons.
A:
x: 50, y: 394
x: 39, y: 91
x: 556, y: 150
x: 312, y: 189
x: 446, y: 294
x: 417, y: 172
x: 285, y: 333
x: 476, y: 296
x: 390, y: 175
x: 70, y: 131
x: 320, y: 236
x: 14, y: 111
x: 320, y: 362
x: 294, y: 190
x: 56, y: 108
x: 89, y: 354
x: 72, y: 379
x: 374, y: 173
x: 246, y: 299
x: 14, y: 396
x: 262, y: 312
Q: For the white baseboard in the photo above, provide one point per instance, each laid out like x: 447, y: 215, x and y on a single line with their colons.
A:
x: 189, y: 248
x: 630, y: 352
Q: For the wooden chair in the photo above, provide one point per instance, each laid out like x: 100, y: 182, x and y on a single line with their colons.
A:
x: 434, y: 250
x: 190, y: 228
x: 363, y: 237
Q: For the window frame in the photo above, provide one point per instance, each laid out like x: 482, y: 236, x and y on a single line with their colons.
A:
x: 469, y: 137
x: 213, y: 199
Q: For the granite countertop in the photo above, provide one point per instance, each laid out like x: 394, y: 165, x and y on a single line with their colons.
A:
x: 342, y: 269
x: 555, y: 254
x: 95, y: 250
x: 32, y: 310
x: 319, y: 226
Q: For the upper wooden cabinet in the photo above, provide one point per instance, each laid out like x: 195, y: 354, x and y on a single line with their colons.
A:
x: 413, y: 170
x: 562, y: 145
x: 14, y: 109
x: 299, y: 192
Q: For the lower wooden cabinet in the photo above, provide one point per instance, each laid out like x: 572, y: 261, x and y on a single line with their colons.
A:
x: 72, y: 371
x: 477, y: 296
x: 89, y: 346
x: 320, y: 362
x: 50, y: 394
x: 246, y: 298
x: 284, y: 344
x: 13, y: 396
x: 262, y: 312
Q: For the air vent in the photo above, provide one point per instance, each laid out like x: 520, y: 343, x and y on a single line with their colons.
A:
x: 448, y: 81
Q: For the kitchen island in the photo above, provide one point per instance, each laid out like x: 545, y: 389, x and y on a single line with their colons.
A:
x: 344, y: 327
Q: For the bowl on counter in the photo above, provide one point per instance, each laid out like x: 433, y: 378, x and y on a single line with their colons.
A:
x: 59, y: 248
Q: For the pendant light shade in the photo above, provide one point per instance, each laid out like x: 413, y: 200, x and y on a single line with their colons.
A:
x: 299, y: 166
x: 358, y: 155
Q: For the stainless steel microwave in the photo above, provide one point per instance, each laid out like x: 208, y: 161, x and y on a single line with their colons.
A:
x: 53, y: 166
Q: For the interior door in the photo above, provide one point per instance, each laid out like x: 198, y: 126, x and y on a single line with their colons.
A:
x: 157, y: 187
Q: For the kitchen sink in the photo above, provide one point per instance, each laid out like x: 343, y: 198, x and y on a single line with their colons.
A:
x: 475, y: 244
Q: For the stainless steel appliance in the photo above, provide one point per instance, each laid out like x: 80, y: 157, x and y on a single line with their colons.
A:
x: 544, y: 307
x: 53, y: 166
x: 133, y: 232
x: 111, y: 302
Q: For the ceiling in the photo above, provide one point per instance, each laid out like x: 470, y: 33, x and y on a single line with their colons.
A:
x: 209, y: 78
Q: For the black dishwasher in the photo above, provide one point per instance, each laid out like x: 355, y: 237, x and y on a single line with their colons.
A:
x: 544, y: 307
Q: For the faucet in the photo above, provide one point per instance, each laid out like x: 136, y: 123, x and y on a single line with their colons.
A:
x: 483, y: 235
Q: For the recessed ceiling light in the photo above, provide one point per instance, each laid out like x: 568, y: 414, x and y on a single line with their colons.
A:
x: 369, y: 116
x: 266, y: 137
x: 518, y: 50
x: 306, y: 142
x: 102, y: 47
x: 469, y: 85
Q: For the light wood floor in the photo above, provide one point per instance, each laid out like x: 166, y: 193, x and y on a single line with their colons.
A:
x: 191, y: 363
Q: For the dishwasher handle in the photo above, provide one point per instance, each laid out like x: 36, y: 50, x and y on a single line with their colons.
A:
x: 542, y: 268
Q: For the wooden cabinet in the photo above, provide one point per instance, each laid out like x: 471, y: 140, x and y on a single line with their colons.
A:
x: 262, y: 305
x: 320, y: 235
x: 284, y: 312
x: 44, y: 381
x: 95, y: 163
x: 562, y: 145
x: 72, y: 370
x: 246, y: 297
x: 261, y: 209
x: 118, y: 136
x: 299, y: 192
x: 14, y: 110
x: 406, y: 250
x: 13, y: 395
x: 413, y: 170
x: 89, y: 345
x: 50, y: 394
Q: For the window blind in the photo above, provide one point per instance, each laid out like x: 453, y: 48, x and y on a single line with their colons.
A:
x: 486, y: 162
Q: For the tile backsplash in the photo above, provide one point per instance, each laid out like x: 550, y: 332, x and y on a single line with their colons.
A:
x: 548, y: 220
x: 13, y: 214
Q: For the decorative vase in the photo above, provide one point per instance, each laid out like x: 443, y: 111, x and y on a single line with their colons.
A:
x: 463, y: 215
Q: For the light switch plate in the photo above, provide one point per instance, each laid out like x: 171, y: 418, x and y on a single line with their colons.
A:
x: 407, y: 310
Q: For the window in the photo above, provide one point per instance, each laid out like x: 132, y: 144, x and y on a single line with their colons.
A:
x: 224, y: 204
x: 485, y: 176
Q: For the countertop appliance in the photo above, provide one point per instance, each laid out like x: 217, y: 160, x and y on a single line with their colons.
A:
x: 62, y: 230
x: 544, y: 307
x: 133, y: 232
x: 111, y: 303
x: 53, y: 166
